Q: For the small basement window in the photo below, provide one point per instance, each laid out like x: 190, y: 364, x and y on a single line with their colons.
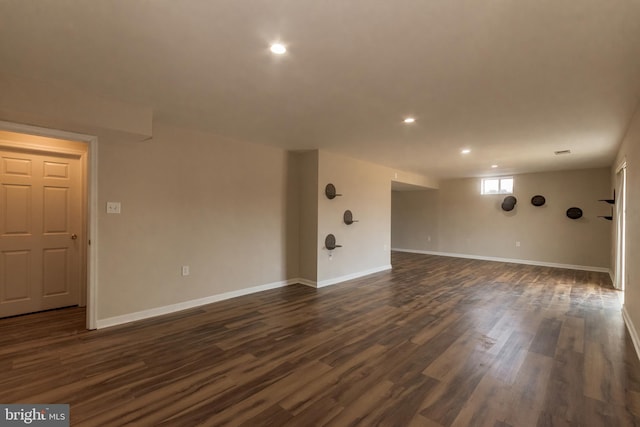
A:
x: 501, y: 185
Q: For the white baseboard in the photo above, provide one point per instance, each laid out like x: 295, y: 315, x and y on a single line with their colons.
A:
x: 306, y: 282
x: 336, y: 280
x: 341, y: 279
x: 632, y: 330
x: 185, y: 305
x: 167, y: 309
x: 510, y: 260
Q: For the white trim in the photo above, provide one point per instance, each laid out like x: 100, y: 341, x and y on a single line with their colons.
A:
x: 622, y: 165
x: 92, y: 204
x: 185, y: 305
x: 336, y: 280
x: 510, y: 260
x: 620, y: 235
x: 306, y: 282
x: 611, y: 276
x: 92, y: 236
x: 632, y: 330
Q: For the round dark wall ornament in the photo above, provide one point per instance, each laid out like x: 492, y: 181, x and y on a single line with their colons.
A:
x: 330, y: 242
x: 509, y: 203
x: 574, y: 213
x: 348, y: 217
x: 330, y: 191
x: 538, y: 200
x: 510, y: 200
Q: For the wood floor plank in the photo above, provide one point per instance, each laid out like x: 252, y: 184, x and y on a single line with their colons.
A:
x: 529, y: 389
x: 572, y: 334
x: 445, y: 405
x: 565, y: 390
x: 358, y: 410
x: 265, y: 399
x: 329, y: 384
x: 511, y: 356
x: 435, y: 342
x: 403, y: 401
x: 489, y: 403
x: 319, y: 413
x: 546, y: 338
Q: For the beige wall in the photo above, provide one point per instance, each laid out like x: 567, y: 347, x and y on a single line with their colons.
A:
x: 366, y: 191
x: 307, y: 164
x: 292, y: 220
x: 630, y: 151
x: 472, y: 224
x: 192, y: 199
x: 413, y: 179
x: 414, y: 220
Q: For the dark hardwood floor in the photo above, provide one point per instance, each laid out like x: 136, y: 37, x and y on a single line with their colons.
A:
x: 436, y: 342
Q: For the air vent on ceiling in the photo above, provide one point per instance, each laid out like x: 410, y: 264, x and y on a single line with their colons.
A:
x: 557, y: 153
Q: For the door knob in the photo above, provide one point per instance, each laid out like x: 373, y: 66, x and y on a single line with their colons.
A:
x: 74, y: 236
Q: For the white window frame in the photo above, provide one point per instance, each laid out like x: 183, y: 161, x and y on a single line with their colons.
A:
x: 500, y: 188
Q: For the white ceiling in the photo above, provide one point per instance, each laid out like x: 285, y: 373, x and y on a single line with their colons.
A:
x: 512, y: 80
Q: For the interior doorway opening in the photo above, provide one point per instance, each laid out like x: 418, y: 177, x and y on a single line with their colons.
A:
x: 414, y: 219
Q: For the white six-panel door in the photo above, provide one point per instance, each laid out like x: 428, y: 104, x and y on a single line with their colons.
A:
x: 40, y: 227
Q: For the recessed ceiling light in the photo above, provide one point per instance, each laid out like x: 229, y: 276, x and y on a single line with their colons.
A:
x: 494, y: 166
x: 278, y: 48
x: 409, y: 120
x: 466, y: 151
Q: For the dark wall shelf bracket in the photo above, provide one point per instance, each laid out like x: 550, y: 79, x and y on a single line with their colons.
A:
x: 607, y: 217
x: 610, y: 201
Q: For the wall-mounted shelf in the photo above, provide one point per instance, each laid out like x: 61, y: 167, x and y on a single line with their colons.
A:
x: 610, y: 201
x: 607, y: 217
x: 509, y: 203
x: 330, y: 191
x: 348, y: 217
x: 330, y: 242
x: 538, y: 200
x: 574, y: 213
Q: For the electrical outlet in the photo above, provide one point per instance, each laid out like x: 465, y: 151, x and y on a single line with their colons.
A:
x: 428, y: 238
x: 113, y: 207
x: 185, y: 270
x: 517, y: 244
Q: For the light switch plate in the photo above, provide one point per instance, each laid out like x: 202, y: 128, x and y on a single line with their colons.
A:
x: 113, y: 207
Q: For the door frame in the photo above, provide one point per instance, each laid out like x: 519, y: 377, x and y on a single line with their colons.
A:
x: 620, y: 226
x: 91, y: 207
